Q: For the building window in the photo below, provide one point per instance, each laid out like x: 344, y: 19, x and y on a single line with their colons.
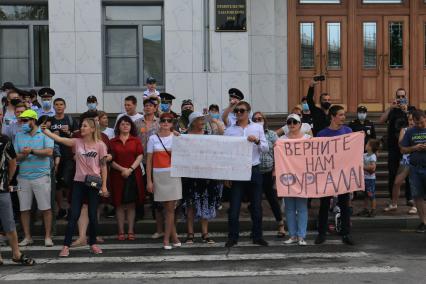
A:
x: 134, y: 48
x: 24, y: 45
x: 382, y: 1
x: 319, y: 1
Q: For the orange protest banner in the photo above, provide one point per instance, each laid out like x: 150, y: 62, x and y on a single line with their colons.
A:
x: 318, y: 167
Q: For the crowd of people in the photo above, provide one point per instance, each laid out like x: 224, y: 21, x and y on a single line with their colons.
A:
x: 80, y: 169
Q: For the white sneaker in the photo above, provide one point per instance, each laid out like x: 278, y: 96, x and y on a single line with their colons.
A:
x: 413, y: 210
x: 48, y: 242
x: 290, y: 241
x: 26, y: 242
x: 302, y: 242
x: 168, y: 247
x: 156, y: 236
x: 177, y: 245
x: 391, y: 207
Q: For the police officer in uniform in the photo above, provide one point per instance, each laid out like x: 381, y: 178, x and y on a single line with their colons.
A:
x: 228, y: 115
x: 166, y: 104
x: 46, y: 95
x: 361, y: 123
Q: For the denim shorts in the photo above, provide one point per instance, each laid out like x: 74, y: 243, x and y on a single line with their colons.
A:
x: 6, y: 213
x: 417, y: 181
x: 370, y: 188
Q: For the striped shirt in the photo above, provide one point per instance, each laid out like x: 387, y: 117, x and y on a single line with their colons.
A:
x: 161, y: 159
x: 33, y: 166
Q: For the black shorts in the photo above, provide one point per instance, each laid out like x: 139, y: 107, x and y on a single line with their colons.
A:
x: 65, y: 174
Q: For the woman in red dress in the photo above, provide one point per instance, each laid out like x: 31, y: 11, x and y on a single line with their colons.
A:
x: 127, y: 152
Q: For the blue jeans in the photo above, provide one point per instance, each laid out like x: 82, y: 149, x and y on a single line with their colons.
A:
x: 80, y: 192
x: 254, y: 190
x: 417, y: 181
x: 296, y: 210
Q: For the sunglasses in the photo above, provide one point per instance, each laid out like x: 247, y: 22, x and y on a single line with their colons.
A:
x: 25, y: 120
x: 168, y: 120
x: 258, y: 119
x: 400, y: 97
x: 292, y: 121
x: 240, y: 110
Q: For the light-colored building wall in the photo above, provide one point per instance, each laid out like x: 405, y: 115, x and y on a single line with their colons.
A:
x: 253, y: 61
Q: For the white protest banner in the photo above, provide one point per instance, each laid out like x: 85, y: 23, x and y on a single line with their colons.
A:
x: 212, y: 157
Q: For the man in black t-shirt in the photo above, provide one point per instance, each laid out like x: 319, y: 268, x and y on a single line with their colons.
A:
x: 63, y: 125
x: 7, y: 171
x: 319, y: 115
x: 396, y: 117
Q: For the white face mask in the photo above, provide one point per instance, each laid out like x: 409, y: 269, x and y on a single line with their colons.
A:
x: 261, y: 122
x: 362, y: 115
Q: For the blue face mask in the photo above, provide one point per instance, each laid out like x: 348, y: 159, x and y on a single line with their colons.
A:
x: 305, y: 107
x: 92, y: 106
x: 215, y: 115
x: 26, y: 127
x: 165, y: 107
x: 47, y: 104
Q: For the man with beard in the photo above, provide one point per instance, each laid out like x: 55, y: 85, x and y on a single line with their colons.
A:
x: 320, y: 116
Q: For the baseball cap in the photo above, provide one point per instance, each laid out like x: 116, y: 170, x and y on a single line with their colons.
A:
x: 29, y: 113
x: 294, y: 116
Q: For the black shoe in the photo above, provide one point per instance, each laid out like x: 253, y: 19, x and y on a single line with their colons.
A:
x: 410, y: 203
x: 111, y: 214
x: 62, y: 213
x: 372, y: 213
x: 261, y: 242
x: 347, y: 239
x: 363, y: 213
x: 230, y: 243
x: 421, y: 228
x: 320, y: 239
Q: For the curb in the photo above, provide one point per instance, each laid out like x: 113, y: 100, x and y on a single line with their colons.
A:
x: 220, y: 225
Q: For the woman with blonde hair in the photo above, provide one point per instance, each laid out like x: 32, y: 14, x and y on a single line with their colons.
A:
x: 90, y: 178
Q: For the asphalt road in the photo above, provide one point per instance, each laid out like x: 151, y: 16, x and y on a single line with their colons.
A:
x: 382, y: 256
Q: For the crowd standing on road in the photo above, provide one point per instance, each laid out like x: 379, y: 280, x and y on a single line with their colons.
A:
x: 80, y: 170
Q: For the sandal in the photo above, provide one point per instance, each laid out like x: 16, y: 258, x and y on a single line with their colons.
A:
x: 207, y: 240
x: 131, y: 236
x: 281, y: 234
x: 121, y: 237
x: 24, y: 260
x: 189, y: 239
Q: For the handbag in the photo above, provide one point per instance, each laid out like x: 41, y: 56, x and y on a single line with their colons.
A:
x: 93, y: 182
x: 130, y: 191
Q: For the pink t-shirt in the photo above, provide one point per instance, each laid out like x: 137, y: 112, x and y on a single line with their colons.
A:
x: 88, y: 158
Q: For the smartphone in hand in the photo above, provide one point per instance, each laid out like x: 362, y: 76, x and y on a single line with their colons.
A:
x: 319, y: 78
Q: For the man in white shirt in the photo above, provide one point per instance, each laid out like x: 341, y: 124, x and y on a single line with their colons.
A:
x: 255, y: 134
x: 130, y: 105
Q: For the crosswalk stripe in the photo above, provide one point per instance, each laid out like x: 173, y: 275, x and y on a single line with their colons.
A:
x: 132, y: 246
x: 212, y: 235
x: 200, y: 274
x: 196, y: 258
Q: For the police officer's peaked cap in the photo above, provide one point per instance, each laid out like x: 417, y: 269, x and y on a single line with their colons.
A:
x: 235, y: 93
x: 166, y: 97
x: 46, y: 92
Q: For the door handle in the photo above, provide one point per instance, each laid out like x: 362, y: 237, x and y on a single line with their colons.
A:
x: 317, y: 63
x: 325, y: 58
x: 380, y: 63
x: 386, y: 62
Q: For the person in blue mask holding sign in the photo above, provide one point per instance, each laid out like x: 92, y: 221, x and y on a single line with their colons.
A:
x: 46, y: 95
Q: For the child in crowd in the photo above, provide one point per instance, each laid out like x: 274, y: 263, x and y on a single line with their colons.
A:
x: 370, y: 160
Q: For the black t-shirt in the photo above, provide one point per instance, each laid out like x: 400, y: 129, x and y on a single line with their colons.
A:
x: 320, y: 119
x: 367, y: 127
x: 397, y: 120
x: 57, y: 126
x: 7, y: 152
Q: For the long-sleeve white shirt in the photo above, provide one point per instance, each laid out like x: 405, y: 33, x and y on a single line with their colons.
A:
x: 251, y: 129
